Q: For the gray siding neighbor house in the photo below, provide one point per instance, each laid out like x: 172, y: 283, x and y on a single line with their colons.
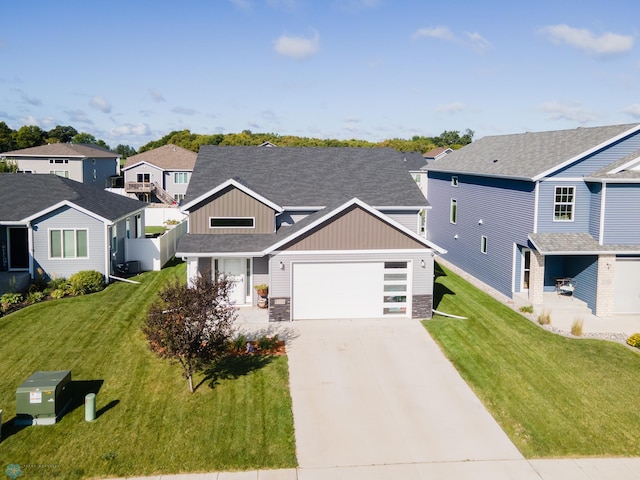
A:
x: 159, y: 175
x: 89, y: 164
x: 545, y: 212
x: 334, y: 232
x: 53, y: 227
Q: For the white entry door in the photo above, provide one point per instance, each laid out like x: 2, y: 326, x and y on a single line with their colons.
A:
x: 235, y: 268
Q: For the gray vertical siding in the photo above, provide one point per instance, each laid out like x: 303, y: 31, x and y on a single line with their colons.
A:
x: 506, y: 209
x: 66, y: 217
x: 622, y: 214
x: 408, y: 219
x: 232, y: 202
x: 581, y: 209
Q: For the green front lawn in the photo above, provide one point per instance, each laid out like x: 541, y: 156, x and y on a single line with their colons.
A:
x: 148, y: 422
x: 554, y: 396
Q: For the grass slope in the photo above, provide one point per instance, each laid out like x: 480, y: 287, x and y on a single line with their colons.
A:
x: 148, y: 422
x: 554, y: 396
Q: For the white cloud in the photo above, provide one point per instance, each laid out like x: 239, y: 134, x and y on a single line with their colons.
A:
x: 44, y: 123
x: 441, y: 32
x: 30, y: 100
x: 156, y: 95
x: 78, y: 116
x: 633, y: 110
x: 455, y: 107
x: 474, y: 41
x: 100, y: 103
x: 128, y: 129
x: 184, y: 111
x: 297, y: 48
x: 478, y: 43
x: 605, y: 44
x: 572, y: 112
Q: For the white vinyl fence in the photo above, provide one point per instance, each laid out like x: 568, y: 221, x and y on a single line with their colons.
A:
x: 154, y: 253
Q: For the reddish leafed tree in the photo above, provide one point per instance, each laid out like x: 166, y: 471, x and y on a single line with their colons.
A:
x: 191, y: 324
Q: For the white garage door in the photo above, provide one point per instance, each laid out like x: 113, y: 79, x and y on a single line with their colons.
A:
x: 349, y: 290
x: 626, y: 286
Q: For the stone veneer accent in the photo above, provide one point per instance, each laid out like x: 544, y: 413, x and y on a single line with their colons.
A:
x: 536, y: 278
x: 422, y: 306
x: 604, y: 288
x: 279, y: 309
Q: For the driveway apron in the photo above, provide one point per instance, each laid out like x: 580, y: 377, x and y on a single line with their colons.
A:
x: 380, y: 392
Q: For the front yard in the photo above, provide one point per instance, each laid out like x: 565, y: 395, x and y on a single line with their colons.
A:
x: 554, y: 396
x: 148, y: 422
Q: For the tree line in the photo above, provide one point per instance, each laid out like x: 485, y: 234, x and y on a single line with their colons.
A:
x: 33, y: 136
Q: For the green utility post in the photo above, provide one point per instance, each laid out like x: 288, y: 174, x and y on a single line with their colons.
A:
x: 90, y: 407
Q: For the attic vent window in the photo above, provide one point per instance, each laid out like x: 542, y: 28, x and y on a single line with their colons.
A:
x: 232, y: 222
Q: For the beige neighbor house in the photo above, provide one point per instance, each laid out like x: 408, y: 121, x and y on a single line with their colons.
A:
x: 159, y: 175
x: 333, y: 232
x: 88, y: 164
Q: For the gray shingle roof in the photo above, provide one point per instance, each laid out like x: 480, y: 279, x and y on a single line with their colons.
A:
x: 575, y: 243
x: 24, y: 195
x: 63, y: 150
x: 299, y: 176
x: 604, y: 174
x: 167, y: 157
x: 525, y: 155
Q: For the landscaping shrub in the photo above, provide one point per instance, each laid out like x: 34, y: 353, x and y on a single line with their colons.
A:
x: 267, y: 343
x: 576, y: 327
x: 239, y: 344
x: 544, y: 318
x: 35, y: 297
x: 86, y: 281
x: 634, y: 340
x: 8, y: 300
x: 57, y: 283
x: 526, y: 309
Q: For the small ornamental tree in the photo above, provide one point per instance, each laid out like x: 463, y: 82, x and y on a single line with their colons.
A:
x: 191, y: 324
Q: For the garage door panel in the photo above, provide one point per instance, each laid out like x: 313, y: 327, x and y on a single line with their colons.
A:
x: 627, y: 286
x: 337, y: 290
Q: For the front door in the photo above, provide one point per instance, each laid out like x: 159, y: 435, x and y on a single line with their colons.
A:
x: 236, y: 269
x: 18, y: 248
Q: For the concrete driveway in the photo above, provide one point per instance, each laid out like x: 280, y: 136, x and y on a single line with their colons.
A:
x: 380, y: 392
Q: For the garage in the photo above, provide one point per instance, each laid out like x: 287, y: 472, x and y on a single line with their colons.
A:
x: 350, y: 290
x: 626, y: 285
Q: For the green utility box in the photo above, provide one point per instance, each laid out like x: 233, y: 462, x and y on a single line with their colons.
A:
x: 43, y: 397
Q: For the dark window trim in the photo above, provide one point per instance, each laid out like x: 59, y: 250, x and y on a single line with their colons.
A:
x: 232, y: 222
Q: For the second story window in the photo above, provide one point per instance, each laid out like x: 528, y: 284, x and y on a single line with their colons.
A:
x: 453, y: 212
x: 180, y: 177
x: 232, y: 222
x: 563, y: 203
x: 454, y: 181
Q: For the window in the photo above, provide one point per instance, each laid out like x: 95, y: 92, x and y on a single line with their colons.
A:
x: 178, y: 197
x: 114, y: 238
x: 454, y: 181
x: 127, y: 227
x: 395, y: 288
x: 60, y: 173
x: 69, y: 243
x: 138, y: 232
x: 563, y: 203
x: 453, y: 212
x: 180, y: 177
x: 143, y: 177
x: 58, y: 160
x: 483, y: 244
x: 232, y: 222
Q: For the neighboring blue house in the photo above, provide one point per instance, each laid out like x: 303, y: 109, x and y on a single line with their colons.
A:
x: 54, y: 226
x: 524, y: 213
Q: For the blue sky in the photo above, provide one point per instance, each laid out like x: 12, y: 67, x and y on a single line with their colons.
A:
x: 132, y: 71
